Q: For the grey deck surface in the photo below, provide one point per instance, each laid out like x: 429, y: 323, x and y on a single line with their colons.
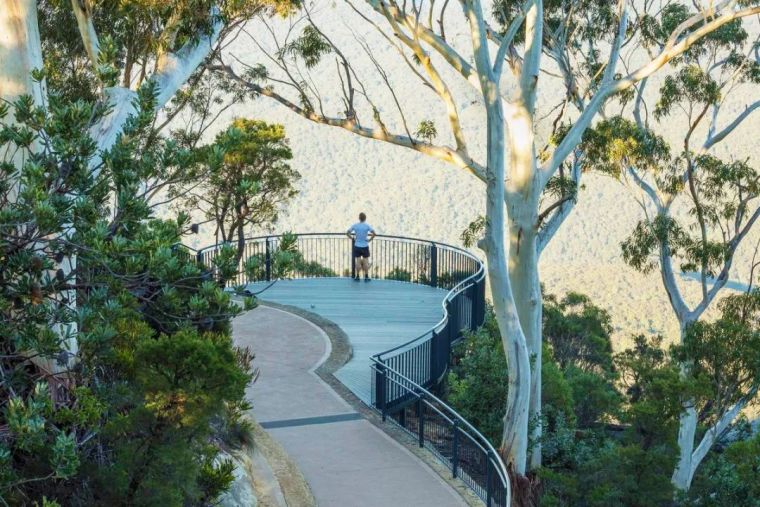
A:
x: 346, y: 459
x: 376, y: 316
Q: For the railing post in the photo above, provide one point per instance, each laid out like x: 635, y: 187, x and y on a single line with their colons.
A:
x: 488, y: 479
x: 434, y: 265
x: 268, y: 259
x: 434, y: 347
x: 455, y: 450
x: 482, y: 314
x: 353, y: 259
x: 453, y: 322
x: 421, y: 420
x: 380, y: 388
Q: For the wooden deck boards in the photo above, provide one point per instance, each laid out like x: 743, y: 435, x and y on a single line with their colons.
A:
x: 376, y: 316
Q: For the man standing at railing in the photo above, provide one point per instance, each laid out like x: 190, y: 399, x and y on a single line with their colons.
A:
x: 363, y: 233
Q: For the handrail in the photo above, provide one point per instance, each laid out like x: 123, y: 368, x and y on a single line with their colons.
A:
x: 454, y: 290
x: 422, y: 390
x: 425, y: 356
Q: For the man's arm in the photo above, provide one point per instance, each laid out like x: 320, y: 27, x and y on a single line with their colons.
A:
x: 371, y: 235
x: 349, y: 231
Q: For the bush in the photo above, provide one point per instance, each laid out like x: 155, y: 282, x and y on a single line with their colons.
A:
x: 399, y: 274
x: 587, y: 462
x: 134, y: 414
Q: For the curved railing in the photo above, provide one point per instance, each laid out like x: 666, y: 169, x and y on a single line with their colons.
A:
x: 404, y: 376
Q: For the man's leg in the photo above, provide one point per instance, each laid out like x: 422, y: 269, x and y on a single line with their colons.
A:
x: 366, y: 268
x: 357, y: 266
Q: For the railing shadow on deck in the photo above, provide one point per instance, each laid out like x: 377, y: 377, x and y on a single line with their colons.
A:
x: 404, y: 377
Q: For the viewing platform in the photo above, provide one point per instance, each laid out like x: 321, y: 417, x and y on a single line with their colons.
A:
x: 401, y: 326
x: 376, y: 316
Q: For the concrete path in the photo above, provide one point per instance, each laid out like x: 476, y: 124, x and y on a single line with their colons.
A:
x: 376, y: 316
x: 347, y: 461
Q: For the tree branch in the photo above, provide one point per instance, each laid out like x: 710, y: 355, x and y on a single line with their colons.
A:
x: 83, y: 13
x: 445, y: 153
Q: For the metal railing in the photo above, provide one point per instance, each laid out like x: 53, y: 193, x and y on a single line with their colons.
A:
x: 404, y: 376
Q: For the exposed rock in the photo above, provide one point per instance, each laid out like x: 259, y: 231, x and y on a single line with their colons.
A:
x: 241, y: 493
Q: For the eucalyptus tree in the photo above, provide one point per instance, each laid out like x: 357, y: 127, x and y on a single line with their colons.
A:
x: 697, y: 208
x: 582, y: 46
x: 107, y: 51
x: 245, y: 181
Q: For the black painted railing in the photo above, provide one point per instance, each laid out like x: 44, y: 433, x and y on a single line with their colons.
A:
x: 405, y: 377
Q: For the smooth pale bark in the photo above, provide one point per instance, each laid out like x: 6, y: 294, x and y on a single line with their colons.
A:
x: 522, y: 197
x: 514, y: 446
x: 517, y: 415
x: 20, y: 50
x: 20, y: 54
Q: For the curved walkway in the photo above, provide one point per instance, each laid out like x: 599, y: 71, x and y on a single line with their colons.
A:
x: 376, y: 316
x: 345, y: 458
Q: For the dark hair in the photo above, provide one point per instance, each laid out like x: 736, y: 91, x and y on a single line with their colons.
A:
x: 362, y: 217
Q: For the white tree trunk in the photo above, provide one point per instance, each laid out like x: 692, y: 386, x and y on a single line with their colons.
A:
x: 516, y: 418
x: 687, y: 430
x: 20, y: 54
x: 522, y: 205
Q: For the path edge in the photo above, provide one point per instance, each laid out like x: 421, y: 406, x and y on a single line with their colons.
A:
x: 340, y: 353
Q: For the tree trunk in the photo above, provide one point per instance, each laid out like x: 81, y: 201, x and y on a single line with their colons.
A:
x: 523, y: 203
x: 687, y: 429
x: 20, y: 51
x: 20, y: 54
x: 687, y: 432
x: 515, y: 436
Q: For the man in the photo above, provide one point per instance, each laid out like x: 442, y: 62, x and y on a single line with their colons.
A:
x: 363, y: 234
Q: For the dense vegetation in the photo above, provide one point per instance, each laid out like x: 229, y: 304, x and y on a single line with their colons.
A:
x: 611, y: 420
x: 127, y: 397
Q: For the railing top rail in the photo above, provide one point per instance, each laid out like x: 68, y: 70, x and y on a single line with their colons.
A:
x: 343, y: 235
x: 453, y: 414
x: 464, y: 284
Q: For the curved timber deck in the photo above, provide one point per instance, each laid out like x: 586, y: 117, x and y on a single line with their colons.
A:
x: 376, y: 316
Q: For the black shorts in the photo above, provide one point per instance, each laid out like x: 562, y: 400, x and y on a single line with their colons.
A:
x: 361, y: 251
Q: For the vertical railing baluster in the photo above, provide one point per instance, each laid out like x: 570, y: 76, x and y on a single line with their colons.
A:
x: 455, y: 449
x: 353, y: 260
x: 268, y: 260
x: 488, y: 479
x: 381, y: 388
x: 421, y: 420
x: 434, y: 265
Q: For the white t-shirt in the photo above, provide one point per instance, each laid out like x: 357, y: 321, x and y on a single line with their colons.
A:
x: 362, y: 230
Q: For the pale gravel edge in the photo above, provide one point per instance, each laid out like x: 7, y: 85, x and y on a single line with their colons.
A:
x: 291, y: 481
x: 340, y: 353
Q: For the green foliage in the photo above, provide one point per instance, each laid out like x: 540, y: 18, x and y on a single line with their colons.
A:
x: 615, y: 144
x: 578, y: 332
x: 245, y: 179
x: 730, y: 477
x: 473, y: 231
x: 132, y: 414
x: 399, y: 274
x: 310, y: 46
x: 477, y: 382
x: 609, y: 421
x: 426, y: 130
x: 724, y: 356
x: 691, y: 83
